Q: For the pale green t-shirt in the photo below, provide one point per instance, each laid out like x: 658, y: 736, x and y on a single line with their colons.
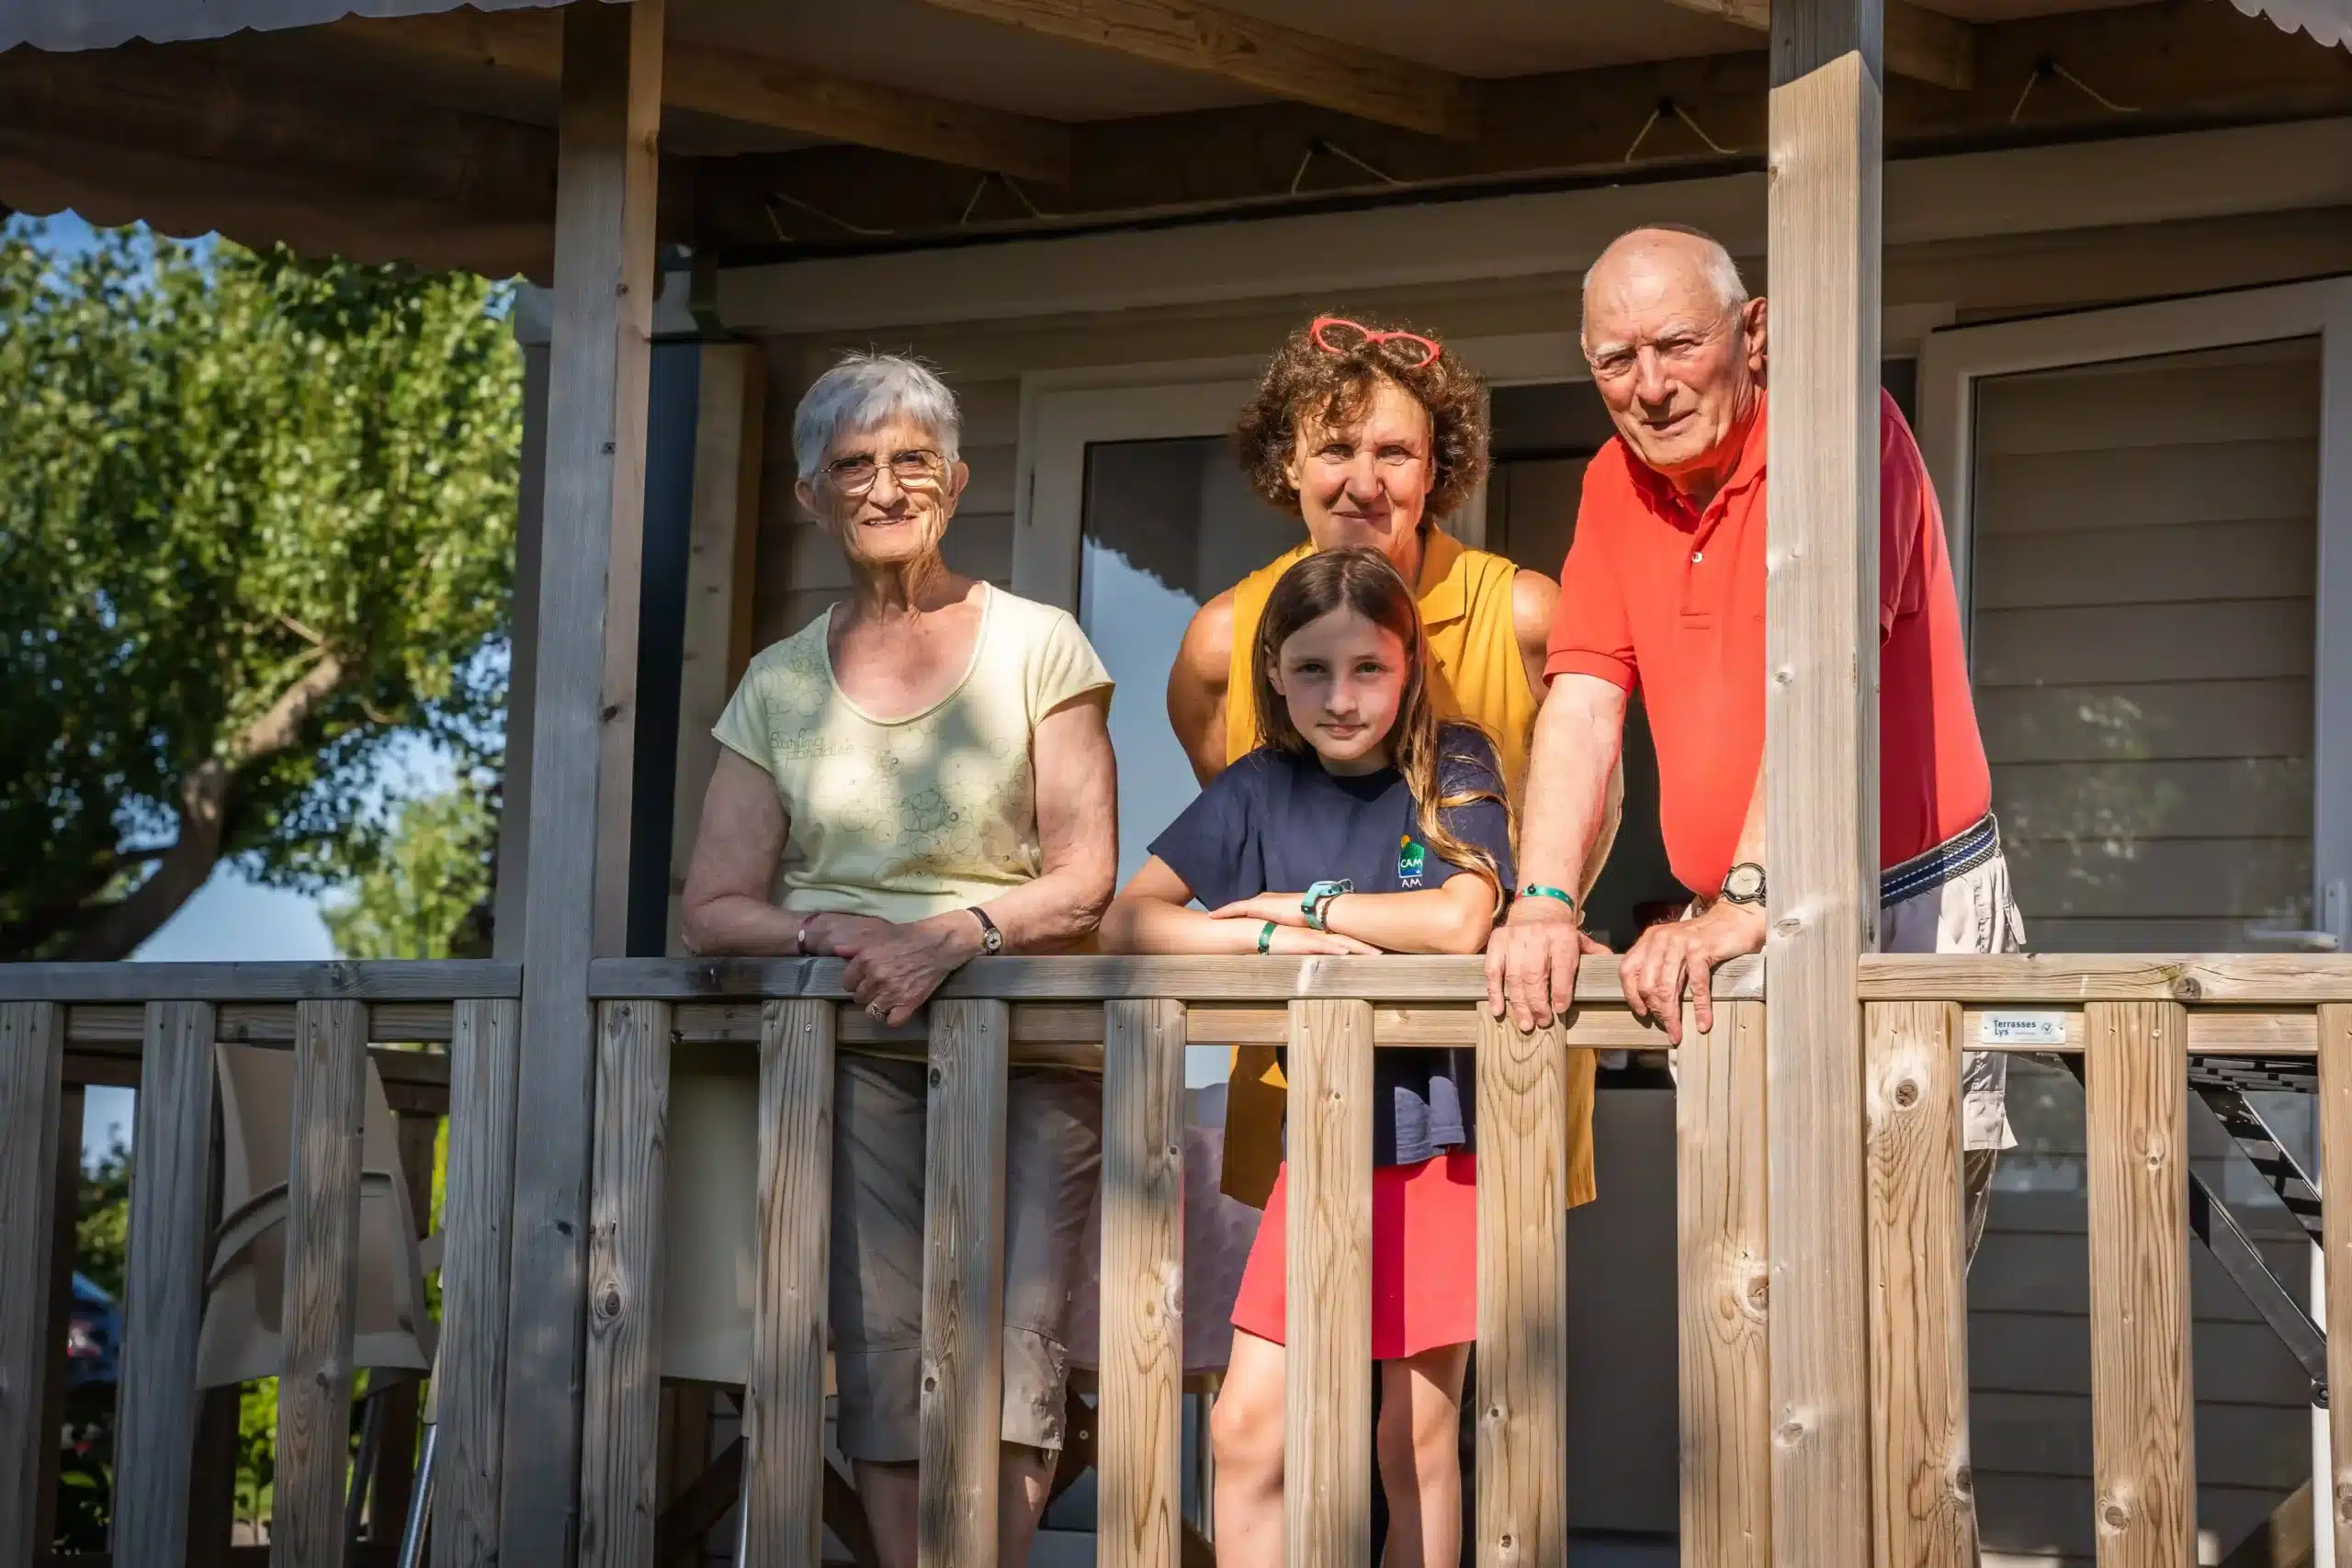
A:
x: 918, y: 816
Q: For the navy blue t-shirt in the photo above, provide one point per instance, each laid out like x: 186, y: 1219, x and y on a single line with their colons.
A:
x: 1277, y: 823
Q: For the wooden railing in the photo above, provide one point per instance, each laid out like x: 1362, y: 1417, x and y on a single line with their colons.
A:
x: 154, y: 1026
x: 1132, y: 1019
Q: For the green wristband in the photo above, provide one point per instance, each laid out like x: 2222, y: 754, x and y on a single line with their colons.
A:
x: 1537, y: 890
x: 1266, y: 938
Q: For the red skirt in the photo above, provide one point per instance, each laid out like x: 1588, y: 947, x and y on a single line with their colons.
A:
x: 1424, y: 1259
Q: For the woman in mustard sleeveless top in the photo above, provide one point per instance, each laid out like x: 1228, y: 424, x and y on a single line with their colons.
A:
x: 1369, y: 434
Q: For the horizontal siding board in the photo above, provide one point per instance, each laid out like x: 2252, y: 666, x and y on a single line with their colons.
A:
x: 2042, y: 1434
x: 2274, y: 557
x: 2236, y: 640
x: 2050, y: 1353
x: 2143, y: 403
x: 2103, y: 721
x: 2200, y: 482
x: 2044, y: 1271
x: 2243, y: 878
x: 2249, y: 798
x: 2051, y: 1517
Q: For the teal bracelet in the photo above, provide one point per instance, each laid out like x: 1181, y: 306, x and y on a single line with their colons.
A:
x: 1537, y: 890
x: 1266, y: 938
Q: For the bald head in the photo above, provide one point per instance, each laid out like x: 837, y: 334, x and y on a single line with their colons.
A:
x: 1676, y: 351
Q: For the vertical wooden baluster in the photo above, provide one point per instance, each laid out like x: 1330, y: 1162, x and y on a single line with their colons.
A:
x: 784, y: 1417
x: 1719, y: 1216
x: 1522, y: 1295
x: 1922, y: 1488
x: 393, y: 1491
x: 1327, y: 1449
x: 963, y: 1285
x: 471, y: 1372
x: 619, y: 1493
x: 322, y: 1282
x: 1138, y: 1519
x: 32, y: 1039
x: 2335, y: 1219
x: 2142, y: 1438
x: 65, y: 1201
x: 171, y: 1177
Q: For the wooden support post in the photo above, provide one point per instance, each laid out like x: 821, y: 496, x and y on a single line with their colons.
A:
x: 1522, y: 1295
x: 393, y: 1491
x: 1139, y: 1510
x: 963, y: 1285
x: 171, y: 1179
x: 1326, y: 1394
x: 2336, y: 1176
x: 620, y: 1495
x: 32, y: 1042
x: 2142, y: 1432
x: 784, y: 1408
x: 1719, y: 1218
x: 1821, y: 759
x: 321, y: 1284
x: 1922, y: 1486
x: 730, y: 432
x: 65, y: 1203
x: 470, y: 1373
x: 583, y: 726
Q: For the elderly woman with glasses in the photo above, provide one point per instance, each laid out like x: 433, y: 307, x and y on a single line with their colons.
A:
x: 929, y: 763
x: 1369, y: 434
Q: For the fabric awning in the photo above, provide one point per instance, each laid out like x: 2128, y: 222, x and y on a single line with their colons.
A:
x: 2328, y: 21
x: 64, y: 25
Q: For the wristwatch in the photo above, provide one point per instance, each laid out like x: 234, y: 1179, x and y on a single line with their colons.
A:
x: 992, y: 939
x: 1318, y: 899
x: 1744, y: 884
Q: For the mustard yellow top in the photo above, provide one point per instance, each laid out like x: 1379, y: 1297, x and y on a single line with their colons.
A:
x: 1466, y: 614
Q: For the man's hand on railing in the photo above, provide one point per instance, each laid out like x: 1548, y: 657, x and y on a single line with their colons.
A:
x: 893, y: 969
x: 1532, y: 962
x: 1676, y: 955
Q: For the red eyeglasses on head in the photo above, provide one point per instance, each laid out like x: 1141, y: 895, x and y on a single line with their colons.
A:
x: 1331, y: 334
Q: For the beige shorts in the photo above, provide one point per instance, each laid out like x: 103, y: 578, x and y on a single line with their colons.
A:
x: 1053, y: 1150
x: 1973, y: 912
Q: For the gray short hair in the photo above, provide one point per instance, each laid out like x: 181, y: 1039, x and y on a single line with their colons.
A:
x: 863, y: 391
x: 1721, y: 272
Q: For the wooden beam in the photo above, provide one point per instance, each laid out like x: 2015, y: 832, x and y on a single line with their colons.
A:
x: 156, y: 1392
x: 2336, y: 1226
x: 2142, y: 1416
x: 1267, y: 56
x: 583, y: 728
x: 321, y: 1286
x: 1142, y: 1359
x: 1821, y: 762
x: 722, y: 546
x: 1327, y: 1391
x: 755, y: 90
x: 1924, y: 45
x: 470, y: 1375
x: 619, y: 1488
x: 30, y: 1049
x: 784, y: 1413
x: 963, y: 1287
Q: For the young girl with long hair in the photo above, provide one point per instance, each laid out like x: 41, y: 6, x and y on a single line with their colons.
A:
x: 1360, y: 824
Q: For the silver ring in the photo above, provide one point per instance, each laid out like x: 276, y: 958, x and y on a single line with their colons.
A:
x: 876, y: 1011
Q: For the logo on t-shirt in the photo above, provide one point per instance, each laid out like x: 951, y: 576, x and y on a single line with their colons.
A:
x: 1410, y: 857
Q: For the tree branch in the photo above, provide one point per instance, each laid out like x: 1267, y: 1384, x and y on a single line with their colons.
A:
x: 205, y: 797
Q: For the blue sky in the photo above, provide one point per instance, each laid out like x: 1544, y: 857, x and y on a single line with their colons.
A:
x: 229, y: 917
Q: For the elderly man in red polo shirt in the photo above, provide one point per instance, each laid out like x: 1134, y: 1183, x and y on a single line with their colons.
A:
x: 1664, y: 589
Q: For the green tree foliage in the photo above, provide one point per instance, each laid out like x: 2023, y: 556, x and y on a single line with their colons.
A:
x: 426, y: 893
x: 257, y: 525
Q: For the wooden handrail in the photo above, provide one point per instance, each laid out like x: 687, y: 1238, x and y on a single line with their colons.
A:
x: 379, y: 980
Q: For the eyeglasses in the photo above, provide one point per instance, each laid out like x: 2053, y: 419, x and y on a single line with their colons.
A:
x: 1338, y: 335
x: 918, y: 467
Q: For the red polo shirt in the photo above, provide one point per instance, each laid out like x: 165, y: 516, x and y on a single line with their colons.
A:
x: 1657, y: 594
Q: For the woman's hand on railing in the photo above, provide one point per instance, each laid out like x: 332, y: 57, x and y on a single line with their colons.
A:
x: 893, y: 969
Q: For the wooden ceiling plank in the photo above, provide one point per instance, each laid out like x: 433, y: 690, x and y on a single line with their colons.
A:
x: 753, y: 90
x: 1924, y: 45
x: 1274, y: 59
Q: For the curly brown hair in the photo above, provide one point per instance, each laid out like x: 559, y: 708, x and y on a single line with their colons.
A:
x: 1306, y: 380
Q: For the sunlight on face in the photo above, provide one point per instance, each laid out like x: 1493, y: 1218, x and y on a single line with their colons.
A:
x: 1342, y: 679
x: 1677, y: 370
x: 1364, y: 486
x: 898, y: 520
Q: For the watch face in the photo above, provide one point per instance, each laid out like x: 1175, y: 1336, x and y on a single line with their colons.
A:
x: 1745, y: 883
x: 993, y: 941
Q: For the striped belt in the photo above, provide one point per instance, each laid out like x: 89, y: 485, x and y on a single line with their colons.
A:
x: 1956, y: 856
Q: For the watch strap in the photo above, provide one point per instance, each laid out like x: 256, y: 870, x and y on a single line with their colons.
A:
x: 992, y: 939
x: 1266, y: 938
